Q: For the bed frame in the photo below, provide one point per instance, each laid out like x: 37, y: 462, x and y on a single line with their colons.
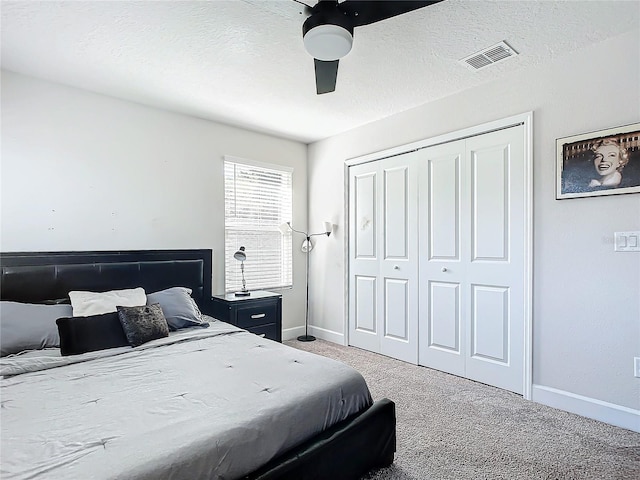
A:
x: 347, y: 450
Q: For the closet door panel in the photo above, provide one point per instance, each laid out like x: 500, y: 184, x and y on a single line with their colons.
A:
x: 399, y: 267
x: 396, y: 203
x: 396, y: 309
x: 365, y: 215
x: 444, y: 316
x: 364, y: 258
x: 489, y: 203
x: 366, y: 295
x: 495, y: 276
x: 442, y: 269
x: 490, y: 323
x: 444, y: 207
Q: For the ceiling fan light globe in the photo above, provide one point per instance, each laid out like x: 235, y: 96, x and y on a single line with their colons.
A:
x: 328, y: 42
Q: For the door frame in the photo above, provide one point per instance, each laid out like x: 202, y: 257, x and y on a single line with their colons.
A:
x: 525, y: 119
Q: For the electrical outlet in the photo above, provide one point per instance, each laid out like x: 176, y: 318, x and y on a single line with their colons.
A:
x: 636, y: 367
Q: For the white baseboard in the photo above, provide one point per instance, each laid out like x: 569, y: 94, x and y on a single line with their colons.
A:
x: 587, y: 407
x: 328, y: 335
x: 323, y: 333
x: 292, y: 333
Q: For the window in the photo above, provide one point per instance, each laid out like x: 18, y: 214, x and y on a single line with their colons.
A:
x: 257, y: 200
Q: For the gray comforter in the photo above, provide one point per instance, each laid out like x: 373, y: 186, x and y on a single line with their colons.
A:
x: 203, y: 403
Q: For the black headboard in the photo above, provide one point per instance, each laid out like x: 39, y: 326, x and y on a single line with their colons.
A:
x: 39, y: 276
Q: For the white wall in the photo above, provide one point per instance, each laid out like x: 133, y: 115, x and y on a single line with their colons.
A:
x: 586, y: 318
x: 82, y: 171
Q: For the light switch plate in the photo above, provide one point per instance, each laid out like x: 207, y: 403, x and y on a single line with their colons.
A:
x: 626, y: 241
x: 636, y: 367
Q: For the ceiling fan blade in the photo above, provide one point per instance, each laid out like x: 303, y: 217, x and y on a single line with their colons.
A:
x: 364, y: 12
x: 306, y: 4
x: 326, y: 75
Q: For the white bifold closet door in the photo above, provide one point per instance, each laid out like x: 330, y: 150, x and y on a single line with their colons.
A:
x: 472, y: 258
x: 458, y: 306
x: 383, y: 254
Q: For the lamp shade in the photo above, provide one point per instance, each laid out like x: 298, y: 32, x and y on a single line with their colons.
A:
x: 284, y: 227
x: 328, y: 227
x: 307, y: 246
x: 240, y: 255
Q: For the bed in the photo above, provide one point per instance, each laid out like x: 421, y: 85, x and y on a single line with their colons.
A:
x: 216, y: 402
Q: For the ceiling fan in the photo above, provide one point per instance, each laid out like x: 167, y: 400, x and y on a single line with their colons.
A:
x: 328, y: 31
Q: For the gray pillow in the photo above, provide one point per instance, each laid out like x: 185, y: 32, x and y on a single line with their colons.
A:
x: 178, y: 307
x: 143, y: 324
x: 27, y: 326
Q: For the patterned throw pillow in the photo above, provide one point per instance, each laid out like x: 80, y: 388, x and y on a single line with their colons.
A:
x: 143, y: 324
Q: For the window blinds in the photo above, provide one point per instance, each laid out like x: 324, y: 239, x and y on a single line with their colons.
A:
x: 257, y: 202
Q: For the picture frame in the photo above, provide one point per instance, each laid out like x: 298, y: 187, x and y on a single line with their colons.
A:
x: 604, y: 162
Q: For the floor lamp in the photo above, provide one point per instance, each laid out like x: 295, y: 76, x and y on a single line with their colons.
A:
x: 307, y: 246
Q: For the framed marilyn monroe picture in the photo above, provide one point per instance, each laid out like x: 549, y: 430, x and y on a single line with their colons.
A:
x: 606, y: 162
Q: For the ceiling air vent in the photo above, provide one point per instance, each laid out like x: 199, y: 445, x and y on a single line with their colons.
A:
x: 489, y: 56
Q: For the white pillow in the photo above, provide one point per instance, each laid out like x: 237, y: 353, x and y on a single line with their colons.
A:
x: 85, y: 304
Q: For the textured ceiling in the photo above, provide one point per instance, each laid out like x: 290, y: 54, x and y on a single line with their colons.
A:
x: 243, y: 63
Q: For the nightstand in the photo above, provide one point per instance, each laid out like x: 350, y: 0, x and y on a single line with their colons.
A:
x: 259, y: 313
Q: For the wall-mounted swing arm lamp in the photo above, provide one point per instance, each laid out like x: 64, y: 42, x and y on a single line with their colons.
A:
x: 241, y: 257
x: 307, y: 246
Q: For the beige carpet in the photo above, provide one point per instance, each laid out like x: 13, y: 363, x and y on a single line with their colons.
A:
x: 452, y: 428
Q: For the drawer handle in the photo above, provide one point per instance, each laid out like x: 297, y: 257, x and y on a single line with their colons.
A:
x: 259, y: 315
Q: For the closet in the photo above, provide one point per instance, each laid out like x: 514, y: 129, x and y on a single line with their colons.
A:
x: 438, y: 257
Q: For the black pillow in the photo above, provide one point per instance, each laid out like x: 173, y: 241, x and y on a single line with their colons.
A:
x: 143, y: 324
x: 88, y: 334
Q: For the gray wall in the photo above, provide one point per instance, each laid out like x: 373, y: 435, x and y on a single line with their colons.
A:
x: 82, y: 171
x: 586, y: 318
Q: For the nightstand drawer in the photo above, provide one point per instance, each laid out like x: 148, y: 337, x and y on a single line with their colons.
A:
x: 266, y: 331
x: 260, y: 312
x: 256, y: 315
